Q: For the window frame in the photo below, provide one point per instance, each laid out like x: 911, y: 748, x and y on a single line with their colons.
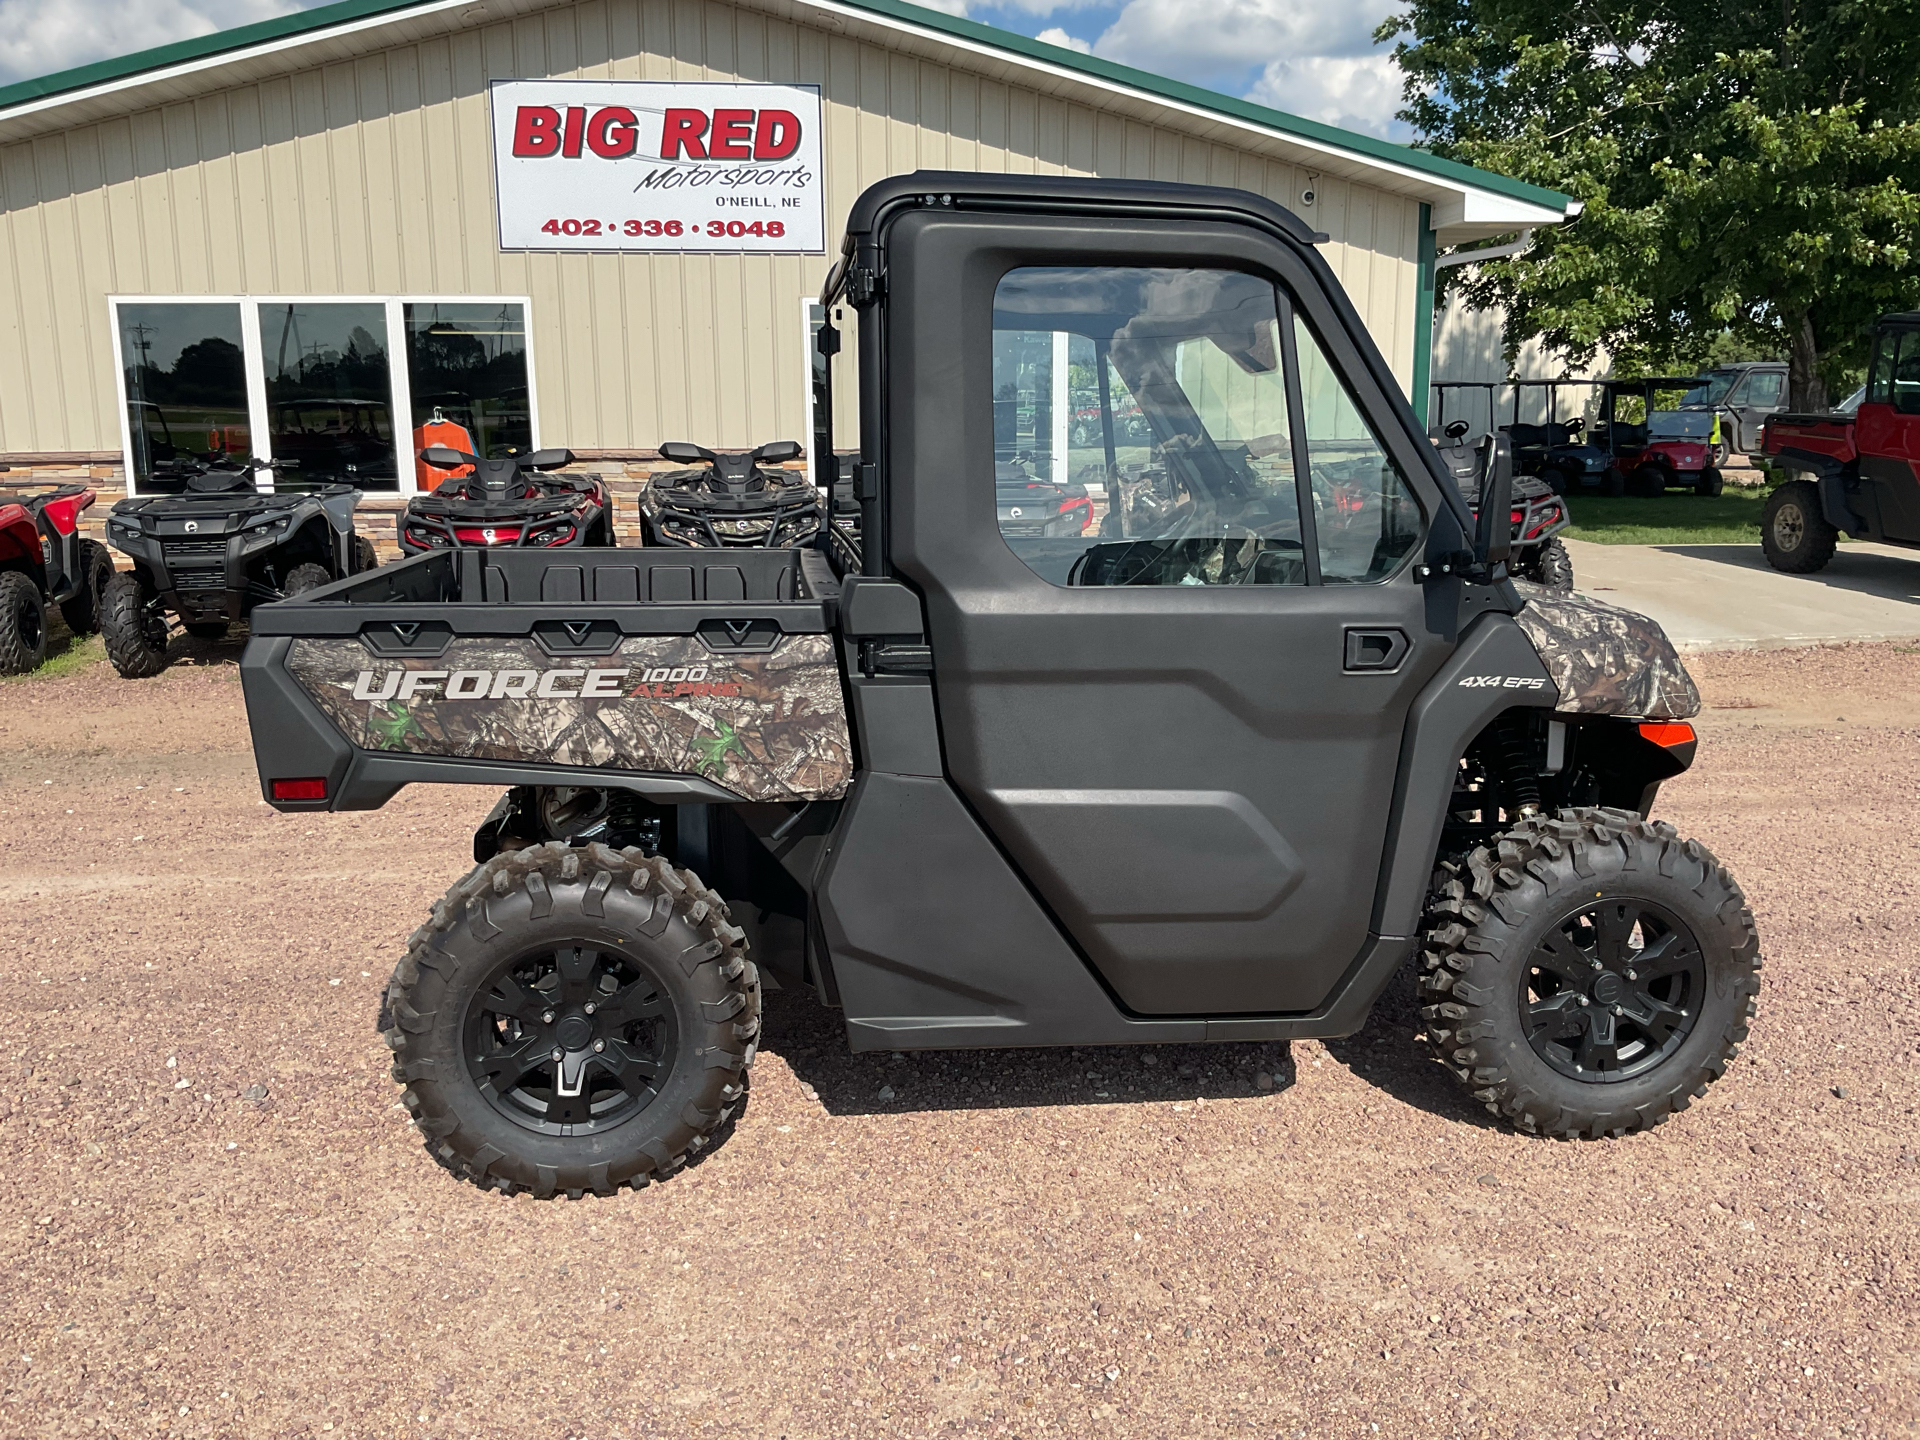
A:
x: 399, y: 378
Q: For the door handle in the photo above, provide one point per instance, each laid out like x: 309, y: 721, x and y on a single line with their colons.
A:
x: 1377, y: 652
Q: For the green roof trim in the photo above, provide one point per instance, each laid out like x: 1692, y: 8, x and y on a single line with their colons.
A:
x: 323, y: 17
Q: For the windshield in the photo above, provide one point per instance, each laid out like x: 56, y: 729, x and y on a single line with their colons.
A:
x: 1719, y: 382
x: 1852, y: 403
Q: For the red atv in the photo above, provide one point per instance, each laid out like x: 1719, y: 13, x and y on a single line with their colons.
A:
x: 1864, y: 466
x: 1666, y: 447
x: 43, y: 557
x: 511, y: 501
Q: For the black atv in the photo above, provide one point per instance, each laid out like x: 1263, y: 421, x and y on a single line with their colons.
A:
x: 509, y: 501
x: 1538, y: 514
x: 44, y: 560
x: 214, y: 548
x: 731, y: 501
x: 973, y: 798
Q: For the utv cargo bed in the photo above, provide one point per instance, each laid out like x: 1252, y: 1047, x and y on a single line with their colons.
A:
x: 681, y: 676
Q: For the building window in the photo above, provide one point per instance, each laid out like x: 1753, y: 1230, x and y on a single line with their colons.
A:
x: 338, y: 389
x: 467, y: 364
x: 184, y: 367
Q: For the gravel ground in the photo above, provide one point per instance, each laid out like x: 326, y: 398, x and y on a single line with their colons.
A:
x: 216, y: 1222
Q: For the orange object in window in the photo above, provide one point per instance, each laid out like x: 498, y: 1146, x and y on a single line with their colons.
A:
x: 439, y: 431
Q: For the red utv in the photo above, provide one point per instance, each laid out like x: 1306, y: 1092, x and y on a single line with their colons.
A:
x: 44, y: 559
x: 1665, y: 447
x: 1861, y: 467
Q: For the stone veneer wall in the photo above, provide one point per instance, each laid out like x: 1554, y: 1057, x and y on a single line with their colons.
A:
x: 627, y: 472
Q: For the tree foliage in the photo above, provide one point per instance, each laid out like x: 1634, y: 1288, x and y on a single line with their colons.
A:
x: 1751, y: 170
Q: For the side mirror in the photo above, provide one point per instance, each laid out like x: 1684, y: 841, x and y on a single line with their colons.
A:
x: 1456, y: 428
x: 778, y: 452
x: 1493, y: 532
x: 444, y: 457
x: 683, y: 453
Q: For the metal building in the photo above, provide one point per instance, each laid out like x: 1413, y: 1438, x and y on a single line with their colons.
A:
x: 286, y: 238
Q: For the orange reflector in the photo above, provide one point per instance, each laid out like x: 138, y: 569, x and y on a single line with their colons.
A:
x: 304, y: 789
x: 1668, y: 733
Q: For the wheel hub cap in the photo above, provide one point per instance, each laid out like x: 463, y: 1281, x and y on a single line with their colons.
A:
x: 573, y: 1033
x: 1612, y: 989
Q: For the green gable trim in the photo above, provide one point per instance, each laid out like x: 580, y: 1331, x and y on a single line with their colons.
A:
x: 307, y: 22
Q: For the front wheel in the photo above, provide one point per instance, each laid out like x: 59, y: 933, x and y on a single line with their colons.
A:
x: 1549, y: 565
x: 1588, y: 975
x: 1711, y: 481
x: 1653, y: 480
x: 133, y: 627
x: 305, y: 577
x: 365, y: 557
x: 1794, y: 533
x: 573, y: 1019
x: 23, y: 624
x: 1614, y: 482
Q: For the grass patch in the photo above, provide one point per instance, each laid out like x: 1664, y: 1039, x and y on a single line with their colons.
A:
x: 67, y: 653
x: 1729, y: 518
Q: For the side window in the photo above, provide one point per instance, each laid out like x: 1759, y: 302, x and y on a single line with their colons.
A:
x: 1880, y: 377
x: 1365, y: 514
x: 1768, y: 387
x: 1906, y: 374
x: 1140, y: 428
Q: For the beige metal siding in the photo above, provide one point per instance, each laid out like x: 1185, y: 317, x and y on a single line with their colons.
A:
x: 374, y: 176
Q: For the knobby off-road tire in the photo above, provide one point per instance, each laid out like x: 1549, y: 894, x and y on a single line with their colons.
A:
x: 1539, y: 1000
x: 1794, y: 532
x: 305, y: 577
x: 626, y: 966
x: 1549, y: 565
x: 365, y: 557
x: 135, y: 633
x: 23, y: 624
x: 81, y: 610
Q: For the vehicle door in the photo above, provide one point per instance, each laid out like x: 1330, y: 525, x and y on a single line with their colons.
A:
x: 1756, y: 397
x: 1180, y: 720
x: 1887, y: 435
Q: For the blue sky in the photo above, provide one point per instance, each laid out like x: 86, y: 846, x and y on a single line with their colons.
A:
x: 1309, y: 57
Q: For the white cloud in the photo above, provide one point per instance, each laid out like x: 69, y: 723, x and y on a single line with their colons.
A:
x: 1355, y: 92
x: 1057, y: 36
x: 40, y: 37
x: 949, y: 7
x: 1192, y: 39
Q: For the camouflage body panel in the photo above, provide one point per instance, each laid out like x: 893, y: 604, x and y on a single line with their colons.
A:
x: 1606, y: 661
x: 767, y: 725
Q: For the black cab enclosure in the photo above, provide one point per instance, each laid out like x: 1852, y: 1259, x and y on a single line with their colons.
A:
x: 1262, y: 719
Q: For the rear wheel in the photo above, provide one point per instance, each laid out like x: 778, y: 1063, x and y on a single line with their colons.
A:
x: 134, y: 628
x: 1588, y: 975
x: 573, y: 1019
x: 1711, y: 481
x: 303, y: 578
x: 1794, y: 533
x: 365, y: 557
x: 81, y: 610
x: 1556, y: 480
x: 23, y: 624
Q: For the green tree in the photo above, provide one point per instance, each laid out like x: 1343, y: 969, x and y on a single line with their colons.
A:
x: 1746, y: 171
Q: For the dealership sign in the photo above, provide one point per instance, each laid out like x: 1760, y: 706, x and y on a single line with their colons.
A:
x: 657, y: 166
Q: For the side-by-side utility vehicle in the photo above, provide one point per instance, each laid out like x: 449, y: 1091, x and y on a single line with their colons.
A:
x: 1212, y: 767
x: 1862, y: 463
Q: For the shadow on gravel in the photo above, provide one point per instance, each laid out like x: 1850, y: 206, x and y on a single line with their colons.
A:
x: 1391, y: 1053
x: 193, y: 650
x: 813, y: 1042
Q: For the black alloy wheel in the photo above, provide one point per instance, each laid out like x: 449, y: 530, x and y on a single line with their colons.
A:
x: 572, y: 1040
x: 1612, y: 989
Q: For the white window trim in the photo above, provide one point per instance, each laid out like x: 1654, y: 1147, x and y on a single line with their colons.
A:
x: 399, y: 378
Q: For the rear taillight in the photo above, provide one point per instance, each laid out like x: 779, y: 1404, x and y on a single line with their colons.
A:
x: 300, y: 789
x: 1668, y: 734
